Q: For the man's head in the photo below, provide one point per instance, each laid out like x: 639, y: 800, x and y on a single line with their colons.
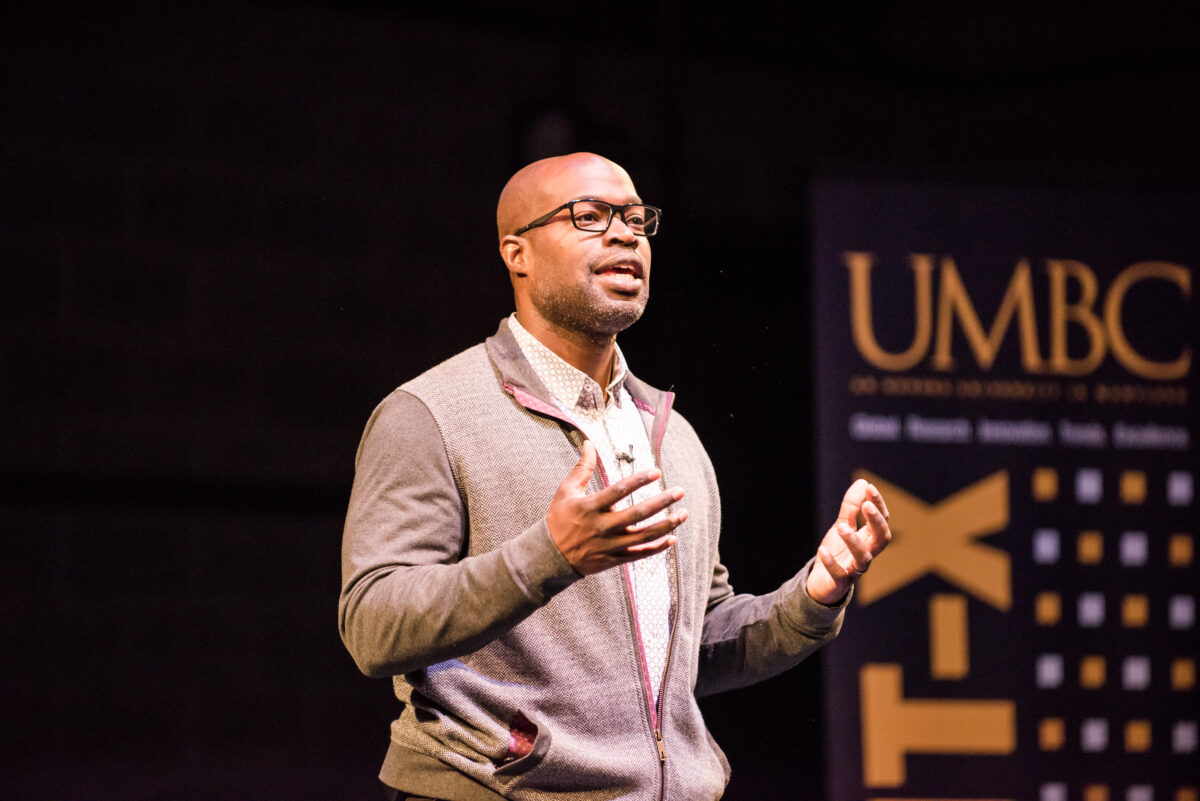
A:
x: 585, y: 285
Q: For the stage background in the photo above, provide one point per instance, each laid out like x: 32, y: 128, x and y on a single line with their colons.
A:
x: 228, y: 229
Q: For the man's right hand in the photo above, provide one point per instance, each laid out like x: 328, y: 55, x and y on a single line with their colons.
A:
x: 592, y: 535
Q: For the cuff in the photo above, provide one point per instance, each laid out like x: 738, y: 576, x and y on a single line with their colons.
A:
x: 537, y: 564
x: 807, y: 612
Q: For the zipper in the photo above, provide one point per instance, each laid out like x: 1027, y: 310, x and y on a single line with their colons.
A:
x: 660, y: 430
x: 662, y: 687
x: 654, y: 708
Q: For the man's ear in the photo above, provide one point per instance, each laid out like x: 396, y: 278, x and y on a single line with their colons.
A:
x: 512, y: 250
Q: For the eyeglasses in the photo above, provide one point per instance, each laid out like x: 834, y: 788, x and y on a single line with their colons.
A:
x: 597, y: 215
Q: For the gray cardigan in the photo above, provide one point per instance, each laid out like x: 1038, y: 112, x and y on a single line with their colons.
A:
x: 519, y: 678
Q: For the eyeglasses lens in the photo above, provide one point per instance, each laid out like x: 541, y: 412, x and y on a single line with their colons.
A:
x: 595, y: 215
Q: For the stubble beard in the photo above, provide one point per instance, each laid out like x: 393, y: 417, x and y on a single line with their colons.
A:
x: 589, y: 315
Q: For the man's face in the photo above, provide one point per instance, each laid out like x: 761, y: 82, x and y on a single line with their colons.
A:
x: 584, y: 282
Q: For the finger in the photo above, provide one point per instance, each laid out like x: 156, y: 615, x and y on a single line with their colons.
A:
x: 640, y: 514
x: 832, y: 566
x: 649, y: 538
x: 852, y: 502
x: 647, y: 543
x: 877, y: 526
x: 634, y: 553
x: 654, y: 527
x: 579, y: 476
x: 877, y: 497
x: 615, y: 492
x: 656, y: 545
x: 860, y: 554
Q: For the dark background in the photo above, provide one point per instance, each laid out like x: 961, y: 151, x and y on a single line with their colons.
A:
x: 228, y: 229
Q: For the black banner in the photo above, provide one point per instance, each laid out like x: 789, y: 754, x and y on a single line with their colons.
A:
x: 1015, y: 369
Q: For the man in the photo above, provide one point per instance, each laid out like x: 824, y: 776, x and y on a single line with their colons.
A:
x: 516, y: 554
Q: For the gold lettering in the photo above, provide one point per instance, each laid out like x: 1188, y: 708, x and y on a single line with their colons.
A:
x: 1122, y: 350
x: 953, y: 301
x: 948, y: 639
x: 863, y: 385
x: 943, y: 538
x: 893, y: 726
x: 1062, y: 312
x: 1150, y: 395
x: 1073, y: 314
x: 862, y: 324
x: 916, y: 386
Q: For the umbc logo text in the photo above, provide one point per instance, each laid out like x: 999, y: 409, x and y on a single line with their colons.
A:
x: 1075, y: 301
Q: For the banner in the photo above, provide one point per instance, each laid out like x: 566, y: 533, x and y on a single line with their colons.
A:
x: 1015, y: 370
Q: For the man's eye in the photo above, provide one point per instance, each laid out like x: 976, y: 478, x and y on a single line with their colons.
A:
x: 633, y: 218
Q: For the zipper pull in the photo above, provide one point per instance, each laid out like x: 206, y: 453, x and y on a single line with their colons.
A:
x: 662, y: 749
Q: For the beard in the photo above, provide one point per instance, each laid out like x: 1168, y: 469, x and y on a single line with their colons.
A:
x: 586, y: 310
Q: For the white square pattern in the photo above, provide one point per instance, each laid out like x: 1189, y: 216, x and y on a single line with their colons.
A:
x: 1089, y: 610
x: 1049, y: 671
x: 1181, y: 611
x: 1135, y: 673
x: 1183, y: 737
x: 1135, y: 548
x: 1140, y: 792
x: 1093, y: 735
x: 1053, y: 791
x: 1046, y: 546
x: 1089, y: 486
x: 1179, y: 489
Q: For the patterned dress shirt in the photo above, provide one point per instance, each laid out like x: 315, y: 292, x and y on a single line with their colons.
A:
x: 615, y: 427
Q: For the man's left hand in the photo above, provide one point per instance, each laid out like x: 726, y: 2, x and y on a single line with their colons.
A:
x: 846, y: 551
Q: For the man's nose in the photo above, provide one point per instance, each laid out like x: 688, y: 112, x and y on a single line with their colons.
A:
x: 619, y: 230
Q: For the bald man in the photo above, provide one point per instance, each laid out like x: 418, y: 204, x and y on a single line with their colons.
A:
x: 531, y: 545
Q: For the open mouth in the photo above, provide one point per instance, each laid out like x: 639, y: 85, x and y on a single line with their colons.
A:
x: 630, y: 268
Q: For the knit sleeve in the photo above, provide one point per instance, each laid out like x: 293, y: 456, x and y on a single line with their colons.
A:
x: 748, y: 638
x: 409, y: 598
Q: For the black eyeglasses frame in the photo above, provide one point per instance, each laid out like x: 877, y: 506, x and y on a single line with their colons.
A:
x: 615, y: 210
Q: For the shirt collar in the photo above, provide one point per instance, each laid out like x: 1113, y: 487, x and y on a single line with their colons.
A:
x: 564, y: 380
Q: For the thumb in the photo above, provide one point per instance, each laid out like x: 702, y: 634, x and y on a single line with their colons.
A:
x: 581, y: 473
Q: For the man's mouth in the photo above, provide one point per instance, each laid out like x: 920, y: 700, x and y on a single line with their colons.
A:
x: 630, y: 267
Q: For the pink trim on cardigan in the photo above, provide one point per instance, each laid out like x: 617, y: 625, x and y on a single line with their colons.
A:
x: 637, y: 628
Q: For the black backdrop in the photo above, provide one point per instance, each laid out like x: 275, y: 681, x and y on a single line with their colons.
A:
x: 228, y: 229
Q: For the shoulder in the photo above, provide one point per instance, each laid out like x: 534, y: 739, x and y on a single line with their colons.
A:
x: 683, y: 443
x: 680, y: 425
x: 400, y: 423
x: 470, y: 365
x: 407, y: 414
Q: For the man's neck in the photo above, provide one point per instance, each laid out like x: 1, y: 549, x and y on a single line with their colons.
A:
x: 592, y: 357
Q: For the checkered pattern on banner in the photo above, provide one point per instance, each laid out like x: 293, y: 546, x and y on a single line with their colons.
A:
x: 1114, y: 616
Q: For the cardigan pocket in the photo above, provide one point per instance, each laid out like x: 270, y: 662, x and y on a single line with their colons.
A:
x: 527, y: 745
